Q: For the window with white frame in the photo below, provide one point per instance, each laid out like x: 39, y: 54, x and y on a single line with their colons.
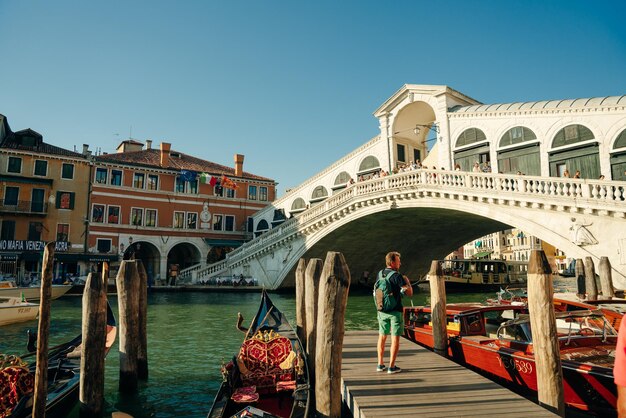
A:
x: 116, y: 177
x: 151, y: 217
x: 263, y: 193
x: 138, y: 180
x: 41, y: 168
x: 192, y: 220
x: 179, y: 220
x: 153, y: 182
x: 229, y: 223
x: 113, y: 215
x: 230, y: 193
x: 252, y: 193
x: 67, y: 171
x: 101, y: 175
x: 217, y: 222
x: 97, y: 214
x: 136, y: 216
x: 103, y: 245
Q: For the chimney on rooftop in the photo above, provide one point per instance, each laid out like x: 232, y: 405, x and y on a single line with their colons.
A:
x: 165, y: 154
x: 239, y: 165
x: 148, y: 144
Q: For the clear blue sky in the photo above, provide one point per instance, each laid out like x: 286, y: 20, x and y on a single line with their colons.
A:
x: 290, y: 84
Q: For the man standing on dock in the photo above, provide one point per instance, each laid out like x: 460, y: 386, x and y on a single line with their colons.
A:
x: 390, y: 319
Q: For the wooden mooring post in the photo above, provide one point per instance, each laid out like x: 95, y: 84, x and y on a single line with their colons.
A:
x: 579, y: 271
x: 590, y: 279
x: 312, y: 286
x: 128, y: 301
x: 606, y: 278
x: 438, y: 308
x: 93, y: 349
x: 545, y: 339
x: 41, y: 372
x: 300, y: 302
x: 333, y: 298
x: 142, y: 348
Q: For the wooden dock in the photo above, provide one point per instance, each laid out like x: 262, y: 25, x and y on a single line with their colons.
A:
x: 428, y: 386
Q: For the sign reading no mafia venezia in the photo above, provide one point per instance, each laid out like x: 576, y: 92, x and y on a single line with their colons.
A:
x: 19, y: 245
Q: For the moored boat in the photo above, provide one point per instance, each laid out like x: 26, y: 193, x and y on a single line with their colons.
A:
x: 32, y: 293
x: 14, y: 310
x: 63, y: 377
x: 269, y: 376
x: 496, y: 340
x: 481, y: 275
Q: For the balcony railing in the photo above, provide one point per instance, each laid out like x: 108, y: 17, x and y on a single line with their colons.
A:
x: 27, y: 207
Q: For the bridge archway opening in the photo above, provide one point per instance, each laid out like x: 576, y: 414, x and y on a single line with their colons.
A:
x: 298, y: 205
x: 519, y: 152
x: 149, y: 255
x: 618, y: 158
x: 368, y: 167
x: 341, y: 182
x: 261, y: 227
x: 411, y: 129
x: 574, y: 149
x: 318, y: 195
x: 471, y: 146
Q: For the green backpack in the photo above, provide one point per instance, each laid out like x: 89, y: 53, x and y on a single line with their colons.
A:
x: 383, y: 293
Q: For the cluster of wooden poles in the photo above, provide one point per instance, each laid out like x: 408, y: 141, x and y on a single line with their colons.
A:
x: 542, y: 319
x: 321, y: 299
x: 132, y: 300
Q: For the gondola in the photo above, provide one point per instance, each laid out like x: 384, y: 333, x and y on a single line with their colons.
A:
x: 63, y: 375
x: 269, y: 376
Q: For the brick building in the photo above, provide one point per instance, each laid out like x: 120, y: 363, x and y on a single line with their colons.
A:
x: 169, y: 209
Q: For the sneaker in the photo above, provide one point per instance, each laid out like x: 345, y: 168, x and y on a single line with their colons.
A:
x: 394, y: 369
x: 380, y: 368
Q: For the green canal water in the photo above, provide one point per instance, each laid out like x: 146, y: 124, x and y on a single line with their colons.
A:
x: 189, y: 336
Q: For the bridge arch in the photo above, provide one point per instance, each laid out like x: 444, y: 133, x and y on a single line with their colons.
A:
x: 471, y: 145
x: 618, y: 157
x: 319, y: 193
x: 297, y: 205
x: 261, y: 227
x: 341, y: 182
x: 411, y: 127
x: 574, y: 147
x: 368, y: 166
x: 519, y: 150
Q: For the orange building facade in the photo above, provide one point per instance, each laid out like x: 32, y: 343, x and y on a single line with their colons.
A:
x: 169, y: 209
x: 44, y: 192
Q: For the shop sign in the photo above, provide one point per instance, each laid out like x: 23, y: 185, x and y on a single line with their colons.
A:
x: 23, y: 245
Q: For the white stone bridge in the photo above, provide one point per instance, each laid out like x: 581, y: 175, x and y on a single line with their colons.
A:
x: 427, y: 213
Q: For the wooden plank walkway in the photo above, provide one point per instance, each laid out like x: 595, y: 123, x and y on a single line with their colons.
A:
x: 428, y: 386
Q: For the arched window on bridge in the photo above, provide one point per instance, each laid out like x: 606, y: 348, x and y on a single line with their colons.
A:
x: 574, y: 148
x: 618, y: 158
x: 319, y: 193
x: 341, y: 182
x: 475, y: 147
x: 519, y: 151
x: 261, y: 227
x: 368, y: 167
x: 298, y: 205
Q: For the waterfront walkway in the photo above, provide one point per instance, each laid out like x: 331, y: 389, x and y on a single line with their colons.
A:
x: 429, y: 385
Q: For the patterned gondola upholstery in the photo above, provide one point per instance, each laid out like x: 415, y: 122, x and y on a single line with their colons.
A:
x: 265, y: 360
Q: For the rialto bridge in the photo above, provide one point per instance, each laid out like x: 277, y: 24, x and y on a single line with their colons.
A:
x: 427, y: 213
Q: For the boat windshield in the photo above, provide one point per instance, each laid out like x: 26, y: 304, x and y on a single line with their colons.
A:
x: 569, y: 325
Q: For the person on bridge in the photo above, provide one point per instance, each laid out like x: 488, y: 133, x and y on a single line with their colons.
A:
x: 390, y: 319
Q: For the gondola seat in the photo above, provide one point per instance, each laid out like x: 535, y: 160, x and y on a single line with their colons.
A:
x: 265, y: 360
x: 247, y: 394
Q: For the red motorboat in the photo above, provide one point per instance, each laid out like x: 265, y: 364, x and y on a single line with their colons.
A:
x: 496, y: 341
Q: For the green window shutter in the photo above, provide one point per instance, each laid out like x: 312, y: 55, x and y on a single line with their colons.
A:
x: 72, y: 200
x: 58, y: 200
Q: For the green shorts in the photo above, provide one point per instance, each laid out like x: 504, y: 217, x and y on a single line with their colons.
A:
x: 391, y: 323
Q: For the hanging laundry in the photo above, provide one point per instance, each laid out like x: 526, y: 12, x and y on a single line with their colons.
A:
x: 228, y: 183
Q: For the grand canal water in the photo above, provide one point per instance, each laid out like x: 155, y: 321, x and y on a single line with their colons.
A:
x: 190, y: 335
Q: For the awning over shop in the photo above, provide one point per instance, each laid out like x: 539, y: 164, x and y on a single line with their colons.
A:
x: 482, y: 254
x: 223, y: 242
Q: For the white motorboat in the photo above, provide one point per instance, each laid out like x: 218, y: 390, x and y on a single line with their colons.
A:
x: 8, y: 288
x: 13, y: 310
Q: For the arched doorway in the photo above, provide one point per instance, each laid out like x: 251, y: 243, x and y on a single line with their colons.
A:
x: 618, y: 158
x: 149, y: 255
x: 518, y: 151
x: 181, y: 256
x: 574, y: 149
